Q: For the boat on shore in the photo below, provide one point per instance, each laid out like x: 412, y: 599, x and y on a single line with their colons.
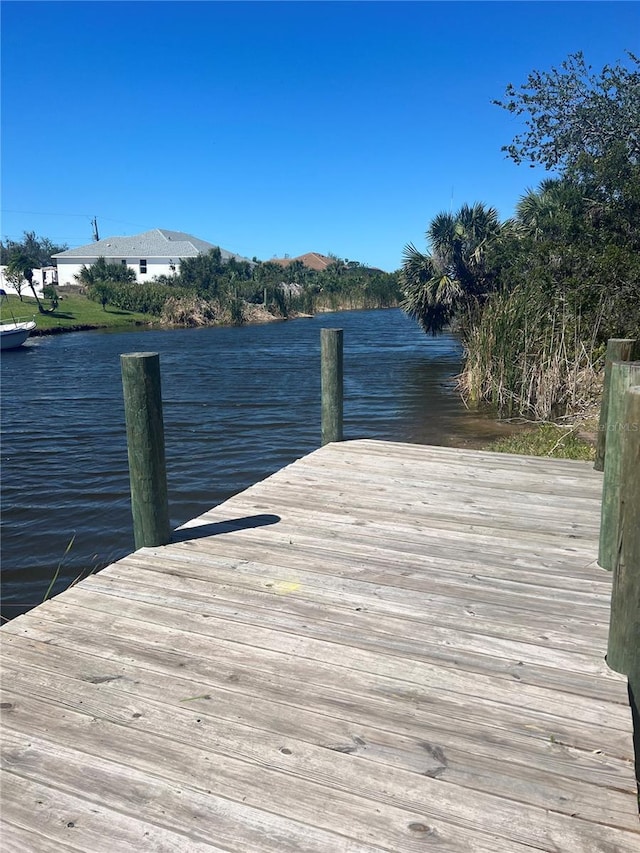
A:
x: 13, y: 335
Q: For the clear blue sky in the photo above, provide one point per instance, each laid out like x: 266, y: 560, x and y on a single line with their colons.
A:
x: 270, y: 128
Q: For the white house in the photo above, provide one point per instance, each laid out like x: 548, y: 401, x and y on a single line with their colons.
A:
x: 41, y: 277
x: 152, y: 253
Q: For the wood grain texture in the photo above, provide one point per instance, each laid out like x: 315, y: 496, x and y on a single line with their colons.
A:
x: 618, y: 349
x: 624, y: 627
x: 624, y: 375
x: 382, y: 647
x: 142, y: 394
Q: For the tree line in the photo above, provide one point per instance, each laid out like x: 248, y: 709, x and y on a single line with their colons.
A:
x: 208, y: 288
x: 536, y: 297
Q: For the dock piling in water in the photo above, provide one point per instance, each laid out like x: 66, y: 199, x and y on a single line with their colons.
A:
x: 145, y: 446
x: 331, y: 356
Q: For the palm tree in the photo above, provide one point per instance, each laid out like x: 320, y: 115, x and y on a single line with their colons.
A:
x: 21, y: 263
x: 102, y: 271
x: 295, y: 272
x: 453, y: 278
x: 554, y: 210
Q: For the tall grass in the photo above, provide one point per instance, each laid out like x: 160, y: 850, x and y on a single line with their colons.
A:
x: 56, y: 574
x: 527, y: 354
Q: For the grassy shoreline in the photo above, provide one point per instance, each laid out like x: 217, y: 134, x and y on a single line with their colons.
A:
x: 74, y: 313
x: 77, y: 313
x: 551, y: 441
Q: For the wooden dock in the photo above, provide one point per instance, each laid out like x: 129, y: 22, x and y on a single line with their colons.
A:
x: 382, y: 647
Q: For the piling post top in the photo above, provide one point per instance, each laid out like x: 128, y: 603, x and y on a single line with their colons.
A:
x: 140, y: 355
x: 615, y: 342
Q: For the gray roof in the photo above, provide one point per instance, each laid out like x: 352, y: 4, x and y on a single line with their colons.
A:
x: 157, y: 243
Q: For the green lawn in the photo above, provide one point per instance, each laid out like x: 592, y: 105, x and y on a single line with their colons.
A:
x: 73, y: 312
x: 546, y: 440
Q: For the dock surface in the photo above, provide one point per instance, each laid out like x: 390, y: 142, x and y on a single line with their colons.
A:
x: 382, y: 647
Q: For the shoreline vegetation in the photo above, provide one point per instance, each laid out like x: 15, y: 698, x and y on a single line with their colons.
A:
x: 206, y: 291
x: 536, y: 297
x: 77, y: 313
x: 555, y: 441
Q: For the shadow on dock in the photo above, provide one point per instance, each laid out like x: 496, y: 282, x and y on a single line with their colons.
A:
x: 203, y: 531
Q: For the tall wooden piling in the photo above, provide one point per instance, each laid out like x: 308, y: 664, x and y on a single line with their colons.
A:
x: 623, y: 654
x: 623, y: 376
x: 145, y: 445
x: 331, y: 358
x: 618, y: 349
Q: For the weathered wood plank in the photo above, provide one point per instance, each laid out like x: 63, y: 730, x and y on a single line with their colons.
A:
x: 264, y: 584
x: 124, y: 698
x: 418, y: 523
x: 196, y: 634
x: 436, y: 514
x: 242, y: 767
x: 178, y: 816
x: 386, y: 634
x: 340, y: 582
x: 426, y: 475
x: 464, y: 457
x: 554, y: 745
x: 380, y: 646
x: 452, y: 546
x: 184, y: 796
x: 424, y: 573
x: 17, y: 839
x: 42, y: 818
x: 543, y: 715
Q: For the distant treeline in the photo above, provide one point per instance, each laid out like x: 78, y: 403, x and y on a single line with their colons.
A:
x: 209, y: 289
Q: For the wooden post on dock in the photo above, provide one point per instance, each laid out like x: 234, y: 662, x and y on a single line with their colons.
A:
x: 145, y: 445
x: 618, y: 349
x: 623, y: 654
x: 624, y: 374
x: 331, y: 359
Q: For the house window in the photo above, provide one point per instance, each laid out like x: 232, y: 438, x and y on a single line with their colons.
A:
x: 123, y: 262
x: 143, y: 267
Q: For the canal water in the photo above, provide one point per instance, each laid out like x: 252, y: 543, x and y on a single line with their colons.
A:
x: 239, y: 403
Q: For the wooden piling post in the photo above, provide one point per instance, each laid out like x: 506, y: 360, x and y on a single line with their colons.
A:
x: 145, y: 445
x: 331, y: 358
x: 623, y: 654
x: 618, y: 349
x: 624, y: 374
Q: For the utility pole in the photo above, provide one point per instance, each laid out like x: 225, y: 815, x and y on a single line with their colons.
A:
x: 94, y: 222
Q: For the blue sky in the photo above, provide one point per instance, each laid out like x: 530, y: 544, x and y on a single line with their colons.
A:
x: 270, y: 128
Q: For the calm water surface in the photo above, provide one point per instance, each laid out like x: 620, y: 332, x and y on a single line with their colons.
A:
x: 239, y: 403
